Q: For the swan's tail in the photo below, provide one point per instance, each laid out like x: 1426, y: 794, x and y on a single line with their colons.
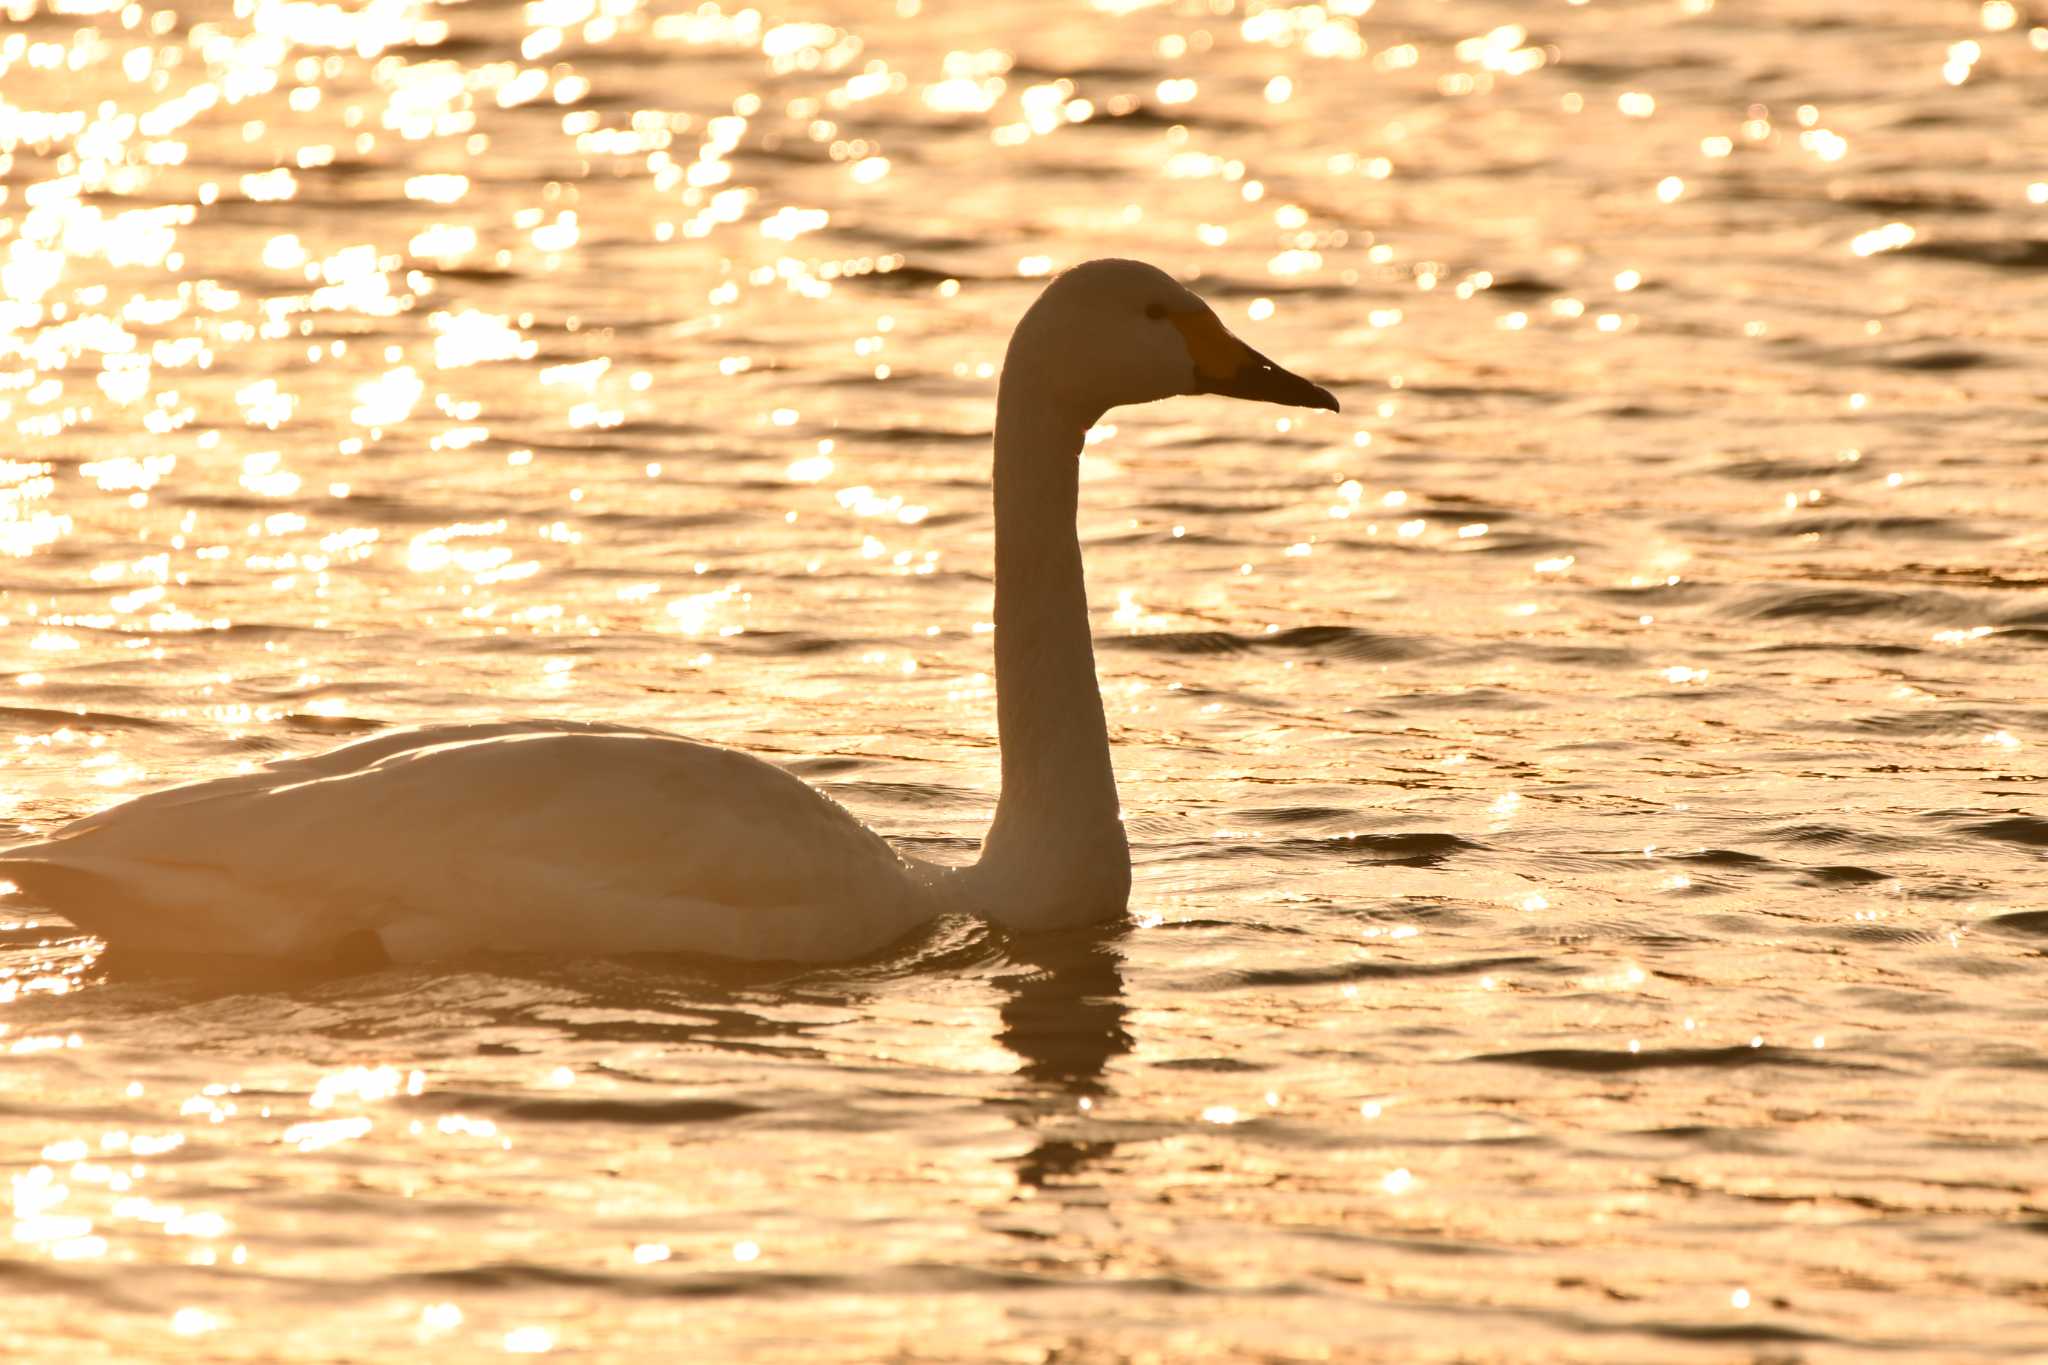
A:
x: 146, y: 929
x: 174, y: 910
x: 92, y: 900
x: 157, y: 907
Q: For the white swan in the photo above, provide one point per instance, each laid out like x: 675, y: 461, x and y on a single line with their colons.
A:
x: 569, y: 838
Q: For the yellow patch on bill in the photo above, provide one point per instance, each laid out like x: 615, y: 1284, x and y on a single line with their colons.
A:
x: 1216, y: 353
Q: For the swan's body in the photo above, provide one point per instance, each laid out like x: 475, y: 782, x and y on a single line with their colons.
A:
x: 559, y: 837
x: 538, y: 837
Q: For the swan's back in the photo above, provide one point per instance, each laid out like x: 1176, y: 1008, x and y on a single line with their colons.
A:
x: 505, y: 837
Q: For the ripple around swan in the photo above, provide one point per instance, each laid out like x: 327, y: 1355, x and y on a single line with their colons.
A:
x: 23, y: 719
x: 1824, y: 875
x: 1515, y: 544
x: 1655, y: 1059
x: 1375, y: 969
x: 1907, y: 199
x: 1180, y: 642
x: 2025, y: 614
x: 1295, y: 815
x: 1801, y: 834
x: 513, y: 1276
x: 1380, y: 850
x: 1878, y: 933
x: 1559, y: 655
x: 1716, y: 857
x: 1795, y: 603
x: 1843, y: 875
x: 658, y: 1113
x: 1778, y: 470
x: 338, y: 726
x: 2014, y: 829
x: 1738, y: 1332
x: 910, y: 795
x: 1939, y: 359
x: 2027, y: 254
x: 1887, y: 528
x: 1958, y: 722
x: 1345, y: 642
x: 1415, y: 849
x: 1336, y: 642
x: 2032, y: 923
x: 1464, y: 701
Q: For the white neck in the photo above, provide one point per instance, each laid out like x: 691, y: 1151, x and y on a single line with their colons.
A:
x: 1056, y: 854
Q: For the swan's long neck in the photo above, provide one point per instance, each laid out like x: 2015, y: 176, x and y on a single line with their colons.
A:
x: 1056, y: 853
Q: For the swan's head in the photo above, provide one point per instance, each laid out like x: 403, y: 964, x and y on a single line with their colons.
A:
x: 1113, y: 332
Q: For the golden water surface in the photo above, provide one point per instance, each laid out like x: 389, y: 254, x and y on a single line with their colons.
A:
x: 1587, y: 797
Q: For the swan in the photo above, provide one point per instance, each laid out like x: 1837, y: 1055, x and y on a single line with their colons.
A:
x: 560, y: 837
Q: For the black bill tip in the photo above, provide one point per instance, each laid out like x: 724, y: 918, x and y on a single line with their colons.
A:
x: 1260, y: 380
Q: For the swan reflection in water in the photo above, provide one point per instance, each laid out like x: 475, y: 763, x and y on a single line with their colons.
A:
x: 1065, y: 1018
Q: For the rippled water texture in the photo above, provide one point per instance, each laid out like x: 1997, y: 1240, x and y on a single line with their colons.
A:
x: 1587, y: 797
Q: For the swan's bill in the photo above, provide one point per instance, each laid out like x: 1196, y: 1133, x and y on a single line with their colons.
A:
x: 1224, y: 365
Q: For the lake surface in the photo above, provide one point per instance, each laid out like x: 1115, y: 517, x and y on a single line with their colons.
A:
x: 1587, y: 798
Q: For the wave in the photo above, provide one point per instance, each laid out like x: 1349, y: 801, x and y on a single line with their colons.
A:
x: 1336, y: 642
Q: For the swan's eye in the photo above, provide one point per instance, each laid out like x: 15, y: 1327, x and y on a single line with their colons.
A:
x: 1155, y: 311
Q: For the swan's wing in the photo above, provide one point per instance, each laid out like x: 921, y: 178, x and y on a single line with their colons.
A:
x: 588, y: 839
